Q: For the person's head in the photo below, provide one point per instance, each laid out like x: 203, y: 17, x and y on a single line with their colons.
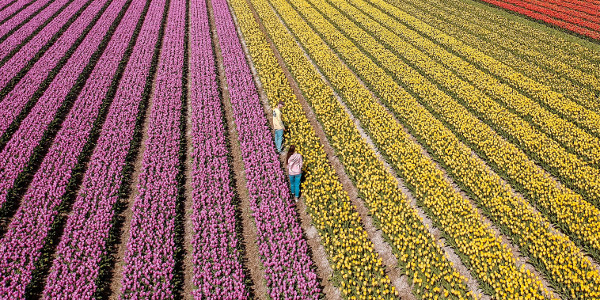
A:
x: 280, y: 104
x: 290, y: 152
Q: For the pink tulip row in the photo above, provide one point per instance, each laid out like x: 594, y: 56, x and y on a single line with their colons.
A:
x: 218, y: 271
x: 76, y: 268
x: 17, y: 152
x: 150, y: 255
x: 5, y: 3
x: 289, y: 271
x: 20, y: 16
x: 29, y: 50
x: 21, y: 246
x: 18, y: 97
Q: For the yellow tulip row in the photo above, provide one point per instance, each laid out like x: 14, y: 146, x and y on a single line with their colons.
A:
x: 557, y: 102
x: 570, y: 169
x: 551, y: 42
x: 566, y: 208
x: 562, y: 261
x: 488, y: 259
x: 563, y: 206
x: 356, y: 265
x: 518, y: 54
x: 443, y: 67
x: 417, y: 252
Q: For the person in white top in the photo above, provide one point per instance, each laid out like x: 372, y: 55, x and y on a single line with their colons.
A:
x: 294, y: 166
x: 278, y: 126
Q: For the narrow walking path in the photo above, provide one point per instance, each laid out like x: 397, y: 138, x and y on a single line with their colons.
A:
x: 188, y: 201
x: 319, y: 256
x: 289, y: 270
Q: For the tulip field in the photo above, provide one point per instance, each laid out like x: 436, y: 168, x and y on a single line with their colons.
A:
x: 451, y: 149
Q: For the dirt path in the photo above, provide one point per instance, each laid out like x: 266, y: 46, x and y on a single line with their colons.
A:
x: 251, y: 256
x: 188, y: 204
x: 318, y: 254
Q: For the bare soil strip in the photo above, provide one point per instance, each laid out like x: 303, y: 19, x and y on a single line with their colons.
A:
x: 251, y: 255
x: 188, y: 267
x: 188, y: 204
x: 318, y: 254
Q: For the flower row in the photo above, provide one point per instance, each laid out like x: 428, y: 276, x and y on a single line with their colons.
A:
x: 284, y: 253
x: 513, y: 216
x: 554, y: 43
x: 83, y: 248
x: 573, y: 138
x: 579, y: 217
x: 556, y: 102
x: 583, y: 6
x: 149, y: 261
x: 10, y: 8
x: 355, y: 263
x: 565, y: 7
x: 22, y: 144
x: 579, y: 19
x: 27, y: 234
x: 418, y: 254
x: 218, y: 271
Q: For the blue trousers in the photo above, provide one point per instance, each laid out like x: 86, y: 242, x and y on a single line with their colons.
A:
x: 278, y: 139
x: 295, y: 184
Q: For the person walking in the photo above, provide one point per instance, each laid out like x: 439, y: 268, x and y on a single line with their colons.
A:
x: 294, y: 165
x: 278, y: 126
